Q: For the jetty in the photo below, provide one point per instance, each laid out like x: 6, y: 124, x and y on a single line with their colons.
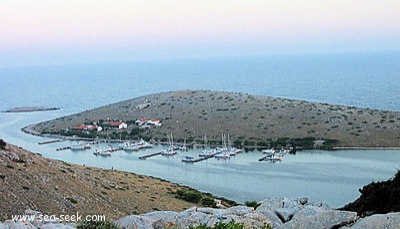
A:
x: 149, y: 155
x: 63, y: 148
x: 51, y: 141
x: 198, y: 159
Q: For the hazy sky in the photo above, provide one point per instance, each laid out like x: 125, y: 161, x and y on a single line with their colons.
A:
x: 59, y: 31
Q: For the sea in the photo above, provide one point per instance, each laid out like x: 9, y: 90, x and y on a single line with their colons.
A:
x: 367, y: 79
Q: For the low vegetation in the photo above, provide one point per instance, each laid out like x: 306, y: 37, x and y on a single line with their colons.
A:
x: 253, y: 204
x: 96, y: 225
x: 199, y: 198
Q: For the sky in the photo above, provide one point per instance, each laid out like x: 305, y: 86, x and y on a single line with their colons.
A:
x: 75, y: 31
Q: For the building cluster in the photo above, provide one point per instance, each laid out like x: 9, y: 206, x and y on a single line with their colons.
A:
x: 114, y: 125
x: 147, y: 123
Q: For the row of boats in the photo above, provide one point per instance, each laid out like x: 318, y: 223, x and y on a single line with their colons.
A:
x: 224, y: 152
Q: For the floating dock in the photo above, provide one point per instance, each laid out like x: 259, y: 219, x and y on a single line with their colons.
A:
x: 51, y: 141
x: 202, y: 159
x: 149, y: 155
x: 63, y: 148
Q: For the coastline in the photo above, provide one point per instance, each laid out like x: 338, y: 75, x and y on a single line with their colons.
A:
x: 29, y: 130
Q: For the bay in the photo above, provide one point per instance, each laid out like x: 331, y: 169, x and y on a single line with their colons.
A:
x: 369, y: 80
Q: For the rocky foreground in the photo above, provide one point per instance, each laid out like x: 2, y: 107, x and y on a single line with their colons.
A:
x: 273, y: 212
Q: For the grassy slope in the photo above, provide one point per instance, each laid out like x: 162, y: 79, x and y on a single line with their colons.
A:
x: 29, y: 180
x: 192, y: 114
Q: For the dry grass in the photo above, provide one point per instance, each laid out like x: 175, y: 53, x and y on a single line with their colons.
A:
x: 29, y: 180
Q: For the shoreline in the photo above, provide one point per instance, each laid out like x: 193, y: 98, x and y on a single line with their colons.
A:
x: 28, y: 130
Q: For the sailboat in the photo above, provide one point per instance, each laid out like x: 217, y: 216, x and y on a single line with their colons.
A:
x: 172, y: 149
x: 207, y: 151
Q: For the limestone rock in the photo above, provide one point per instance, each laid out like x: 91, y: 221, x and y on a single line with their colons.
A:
x: 319, y: 217
x: 161, y: 219
x: 57, y: 226
x: 285, y: 214
x: 10, y: 155
x: 9, y: 224
x: 135, y: 222
x: 193, y: 217
x: 387, y: 221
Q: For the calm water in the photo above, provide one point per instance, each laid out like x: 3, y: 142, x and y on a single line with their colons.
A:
x: 366, y: 80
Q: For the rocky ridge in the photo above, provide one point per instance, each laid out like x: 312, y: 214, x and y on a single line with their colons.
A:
x: 282, y: 213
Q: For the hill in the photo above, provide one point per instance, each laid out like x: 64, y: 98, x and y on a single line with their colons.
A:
x: 248, y: 119
x: 30, y: 181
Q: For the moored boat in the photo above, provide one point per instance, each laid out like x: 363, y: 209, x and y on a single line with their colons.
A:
x: 80, y: 146
x: 169, y: 152
x: 224, y: 155
x: 102, y: 153
x: 142, y: 144
x: 188, y: 159
x: 268, y: 151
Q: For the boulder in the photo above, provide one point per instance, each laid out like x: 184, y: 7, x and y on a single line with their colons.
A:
x: 285, y: 214
x: 272, y: 217
x: 57, y: 226
x: 387, y: 221
x: 161, y: 219
x: 270, y: 204
x: 192, y: 217
x: 319, y: 217
x: 9, y: 224
x: 135, y: 222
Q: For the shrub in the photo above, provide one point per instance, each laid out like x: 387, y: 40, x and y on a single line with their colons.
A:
x: 252, y: 204
x: 96, y: 225
x: 72, y: 201
x: 208, y: 201
x: 191, y: 196
x: 2, y: 144
x: 221, y: 225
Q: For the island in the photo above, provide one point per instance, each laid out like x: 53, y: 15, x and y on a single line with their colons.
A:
x: 30, y: 109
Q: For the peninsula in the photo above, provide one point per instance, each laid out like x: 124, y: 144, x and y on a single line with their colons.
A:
x: 249, y: 120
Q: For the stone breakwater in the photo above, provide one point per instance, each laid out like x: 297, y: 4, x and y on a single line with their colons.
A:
x: 277, y: 212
